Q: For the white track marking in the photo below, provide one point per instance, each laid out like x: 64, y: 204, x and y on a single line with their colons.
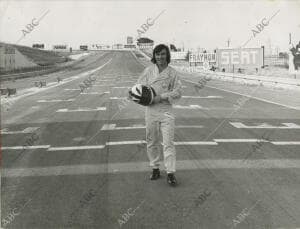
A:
x: 72, y: 89
x: 27, y: 130
x: 113, y: 127
x: 141, y: 126
x: 286, y: 143
x: 94, y: 93
x: 85, y: 169
x: 122, y: 87
x: 288, y: 228
x: 117, y: 75
x: 125, y: 143
x: 121, y: 98
x: 103, y: 85
x: 195, y: 143
x: 287, y: 125
x: 190, y: 107
x: 55, y: 100
x: 76, y: 148
x: 202, y: 97
x: 260, y: 99
x: 108, y: 126
x: 240, y: 140
x: 81, y: 109
x: 33, y: 91
x: 25, y: 147
x: 187, y: 126
x: 134, y: 142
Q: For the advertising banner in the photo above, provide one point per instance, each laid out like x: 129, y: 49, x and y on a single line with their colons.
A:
x: 202, y: 57
x: 178, y: 55
x: 240, y: 58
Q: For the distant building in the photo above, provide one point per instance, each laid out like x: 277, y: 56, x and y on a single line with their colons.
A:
x: 130, y: 46
x: 38, y: 46
x: 60, y: 48
x: 117, y: 46
x: 99, y: 47
x: 129, y: 40
x: 145, y: 43
x: 83, y: 47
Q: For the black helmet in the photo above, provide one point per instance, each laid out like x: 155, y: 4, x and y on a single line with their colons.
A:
x: 142, y: 94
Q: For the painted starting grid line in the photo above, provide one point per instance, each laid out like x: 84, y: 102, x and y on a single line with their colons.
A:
x: 27, y: 130
x: 72, y: 89
x: 55, y: 100
x: 286, y: 125
x: 190, y: 107
x: 139, y: 126
x: 81, y: 110
x: 119, y: 87
x: 202, y: 97
x: 103, y: 85
x: 215, y: 142
x: 64, y: 110
x: 184, y: 96
x: 84, y: 169
x: 95, y: 93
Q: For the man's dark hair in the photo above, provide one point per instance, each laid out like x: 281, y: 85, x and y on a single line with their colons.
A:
x: 158, y: 49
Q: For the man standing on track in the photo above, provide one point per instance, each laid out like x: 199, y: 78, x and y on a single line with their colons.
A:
x: 159, y: 115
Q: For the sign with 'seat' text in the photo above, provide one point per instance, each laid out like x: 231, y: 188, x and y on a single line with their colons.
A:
x: 241, y: 58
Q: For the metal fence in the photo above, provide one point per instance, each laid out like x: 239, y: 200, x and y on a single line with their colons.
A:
x: 276, y: 61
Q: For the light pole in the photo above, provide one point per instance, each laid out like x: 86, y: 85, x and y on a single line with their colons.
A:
x: 228, y: 42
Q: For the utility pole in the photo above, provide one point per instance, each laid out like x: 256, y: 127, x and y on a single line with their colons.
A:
x: 228, y: 42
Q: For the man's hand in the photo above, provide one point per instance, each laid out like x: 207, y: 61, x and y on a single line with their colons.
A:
x: 129, y: 95
x: 157, y: 99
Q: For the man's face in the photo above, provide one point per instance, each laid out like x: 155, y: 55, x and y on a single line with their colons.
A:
x: 161, y: 57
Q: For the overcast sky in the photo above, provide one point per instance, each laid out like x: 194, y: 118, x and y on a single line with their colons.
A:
x: 206, y: 24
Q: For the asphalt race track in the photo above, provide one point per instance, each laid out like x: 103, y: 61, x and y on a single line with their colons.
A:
x: 84, y: 164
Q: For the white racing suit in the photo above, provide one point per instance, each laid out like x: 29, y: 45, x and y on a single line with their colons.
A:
x: 160, y: 117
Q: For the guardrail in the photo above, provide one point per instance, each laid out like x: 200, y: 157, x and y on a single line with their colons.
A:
x: 259, y: 80
x: 262, y: 80
x: 8, y: 91
x: 52, y: 69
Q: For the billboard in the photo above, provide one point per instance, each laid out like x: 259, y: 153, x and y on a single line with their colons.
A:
x: 129, y: 46
x: 83, y: 47
x: 201, y: 57
x: 240, y: 58
x: 61, y: 48
x: 178, y: 55
x: 38, y: 46
x: 129, y: 40
x: 98, y: 47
